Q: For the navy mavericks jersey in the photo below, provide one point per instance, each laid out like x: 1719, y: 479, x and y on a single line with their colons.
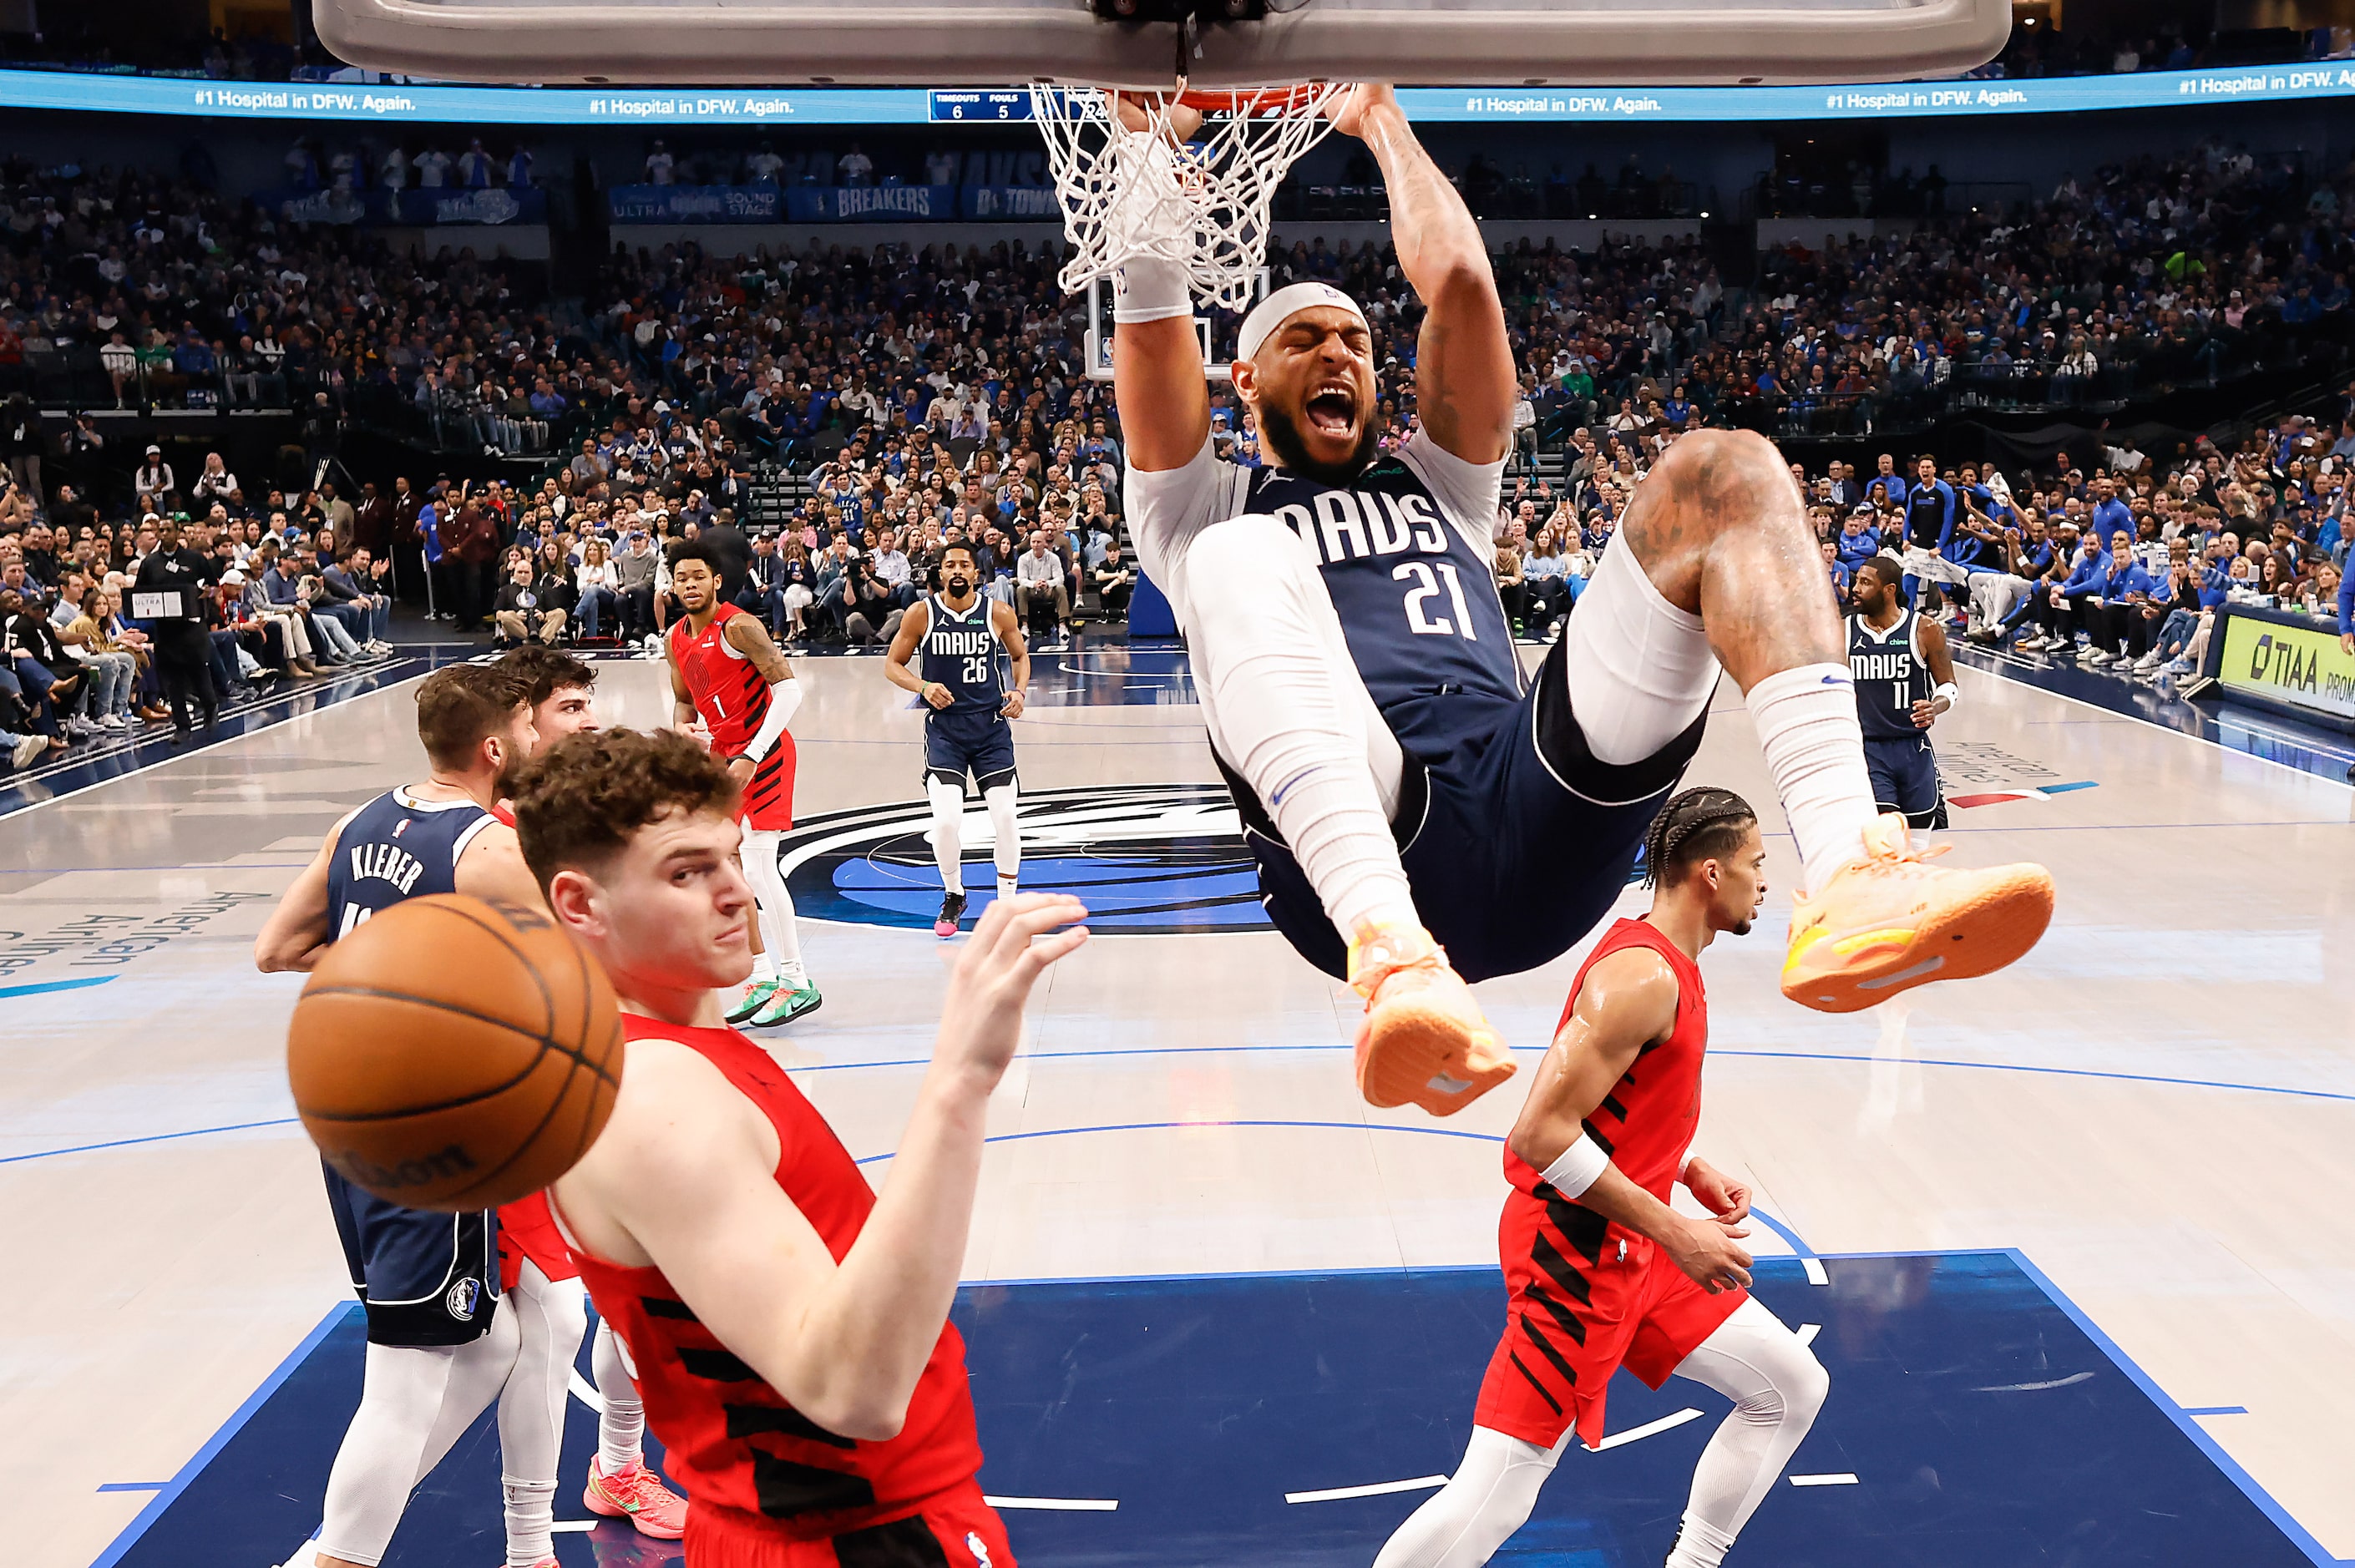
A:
x: 1890, y: 677
x: 398, y: 847
x: 961, y: 653
x: 1417, y: 602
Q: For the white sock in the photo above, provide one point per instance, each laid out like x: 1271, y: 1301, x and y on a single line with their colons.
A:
x: 531, y: 1520
x: 1005, y: 837
x: 1815, y: 748
x: 620, y: 1431
x: 1290, y: 715
x: 948, y: 825
x: 1700, y: 1544
x: 776, y: 906
x: 763, y: 968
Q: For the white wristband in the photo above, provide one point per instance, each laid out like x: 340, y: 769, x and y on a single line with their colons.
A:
x: 1149, y: 289
x: 1948, y: 691
x: 1580, y: 1166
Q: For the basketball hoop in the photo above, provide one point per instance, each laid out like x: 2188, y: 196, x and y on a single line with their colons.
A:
x: 1201, y: 204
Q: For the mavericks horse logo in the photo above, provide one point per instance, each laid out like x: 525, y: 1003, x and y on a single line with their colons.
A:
x: 1147, y: 859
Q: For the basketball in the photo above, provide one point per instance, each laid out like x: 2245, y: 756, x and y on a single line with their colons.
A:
x: 453, y: 1054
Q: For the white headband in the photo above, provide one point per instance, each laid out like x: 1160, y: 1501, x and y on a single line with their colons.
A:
x: 1284, y: 303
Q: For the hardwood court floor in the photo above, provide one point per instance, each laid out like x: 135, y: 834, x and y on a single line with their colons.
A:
x: 2156, y: 1109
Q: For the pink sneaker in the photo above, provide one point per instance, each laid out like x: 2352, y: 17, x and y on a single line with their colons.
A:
x: 638, y: 1495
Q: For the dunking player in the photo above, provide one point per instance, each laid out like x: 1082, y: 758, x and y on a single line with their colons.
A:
x: 1361, y: 687
x: 440, y: 1347
x: 790, y: 1326
x: 726, y: 672
x: 1601, y: 1272
x: 1904, y: 679
x: 966, y: 730
x: 542, y: 1282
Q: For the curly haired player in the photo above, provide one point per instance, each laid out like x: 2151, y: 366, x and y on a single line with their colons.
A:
x: 1601, y: 1272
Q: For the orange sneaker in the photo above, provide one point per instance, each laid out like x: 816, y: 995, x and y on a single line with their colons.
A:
x: 1423, y: 1039
x: 638, y: 1495
x: 1888, y: 921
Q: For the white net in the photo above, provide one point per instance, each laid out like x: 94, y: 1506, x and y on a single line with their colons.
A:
x: 1132, y: 184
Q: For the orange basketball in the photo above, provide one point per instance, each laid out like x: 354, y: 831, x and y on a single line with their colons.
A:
x: 455, y: 1054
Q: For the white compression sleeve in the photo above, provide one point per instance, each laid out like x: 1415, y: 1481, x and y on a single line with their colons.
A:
x: 1639, y: 669
x: 1005, y: 834
x: 1288, y: 713
x: 1487, y: 1499
x: 1777, y: 1387
x: 415, y: 1401
x: 551, y: 1316
x: 621, y: 1429
x: 948, y: 832
x: 784, y: 697
x: 762, y: 846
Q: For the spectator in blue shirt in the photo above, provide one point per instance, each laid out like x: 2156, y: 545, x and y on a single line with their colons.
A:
x: 1888, y: 481
x: 2132, y: 602
x: 2073, y: 604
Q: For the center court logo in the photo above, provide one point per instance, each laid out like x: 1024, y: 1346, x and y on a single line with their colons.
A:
x: 1147, y: 859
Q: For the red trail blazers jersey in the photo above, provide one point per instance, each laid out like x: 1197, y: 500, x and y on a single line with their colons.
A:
x: 732, y: 1442
x: 733, y: 699
x: 1589, y: 1295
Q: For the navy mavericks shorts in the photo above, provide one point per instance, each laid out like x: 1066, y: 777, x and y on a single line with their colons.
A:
x: 426, y: 1278
x: 1516, y: 844
x: 981, y: 744
x: 1905, y: 778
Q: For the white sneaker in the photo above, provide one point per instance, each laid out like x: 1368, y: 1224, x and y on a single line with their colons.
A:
x: 2094, y: 656
x: 29, y: 750
x: 2036, y: 644
x: 113, y: 721
x: 2146, y: 663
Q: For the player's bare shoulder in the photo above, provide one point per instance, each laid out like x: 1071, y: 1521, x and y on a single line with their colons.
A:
x: 748, y: 635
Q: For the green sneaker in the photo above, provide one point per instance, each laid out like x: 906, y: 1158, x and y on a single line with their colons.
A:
x: 786, y: 1006
x: 756, y: 997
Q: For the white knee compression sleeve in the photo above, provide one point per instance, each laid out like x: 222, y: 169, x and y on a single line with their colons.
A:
x: 551, y: 1316
x: 414, y: 1403
x: 1288, y: 712
x: 1640, y: 669
x: 1777, y: 1387
x: 948, y: 832
x: 1005, y: 835
x: 621, y: 1429
x: 1487, y: 1499
x: 762, y: 846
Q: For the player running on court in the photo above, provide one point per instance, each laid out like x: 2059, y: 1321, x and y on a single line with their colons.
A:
x: 1394, y: 769
x: 440, y: 1347
x: 790, y: 1326
x: 1904, y: 679
x: 965, y: 726
x: 1600, y: 1272
x: 728, y: 674
x: 541, y: 1281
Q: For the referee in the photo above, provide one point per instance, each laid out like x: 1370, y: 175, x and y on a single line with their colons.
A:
x: 168, y: 595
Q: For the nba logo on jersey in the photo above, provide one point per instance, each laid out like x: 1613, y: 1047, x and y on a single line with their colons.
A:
x: 979, y: 1548
x: 401, y: 827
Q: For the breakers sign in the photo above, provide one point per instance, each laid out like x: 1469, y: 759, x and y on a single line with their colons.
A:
x: 2287, y: 660
x: 427, y: 104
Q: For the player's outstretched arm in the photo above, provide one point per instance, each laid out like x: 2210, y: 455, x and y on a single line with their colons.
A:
x: 904, y: 643
x: 296, y: 932
x: 843, y: 1343
x: 1627, y: 1000
x: 1464, y: 381
x: 1157, y: 359
x: 1009, y: 626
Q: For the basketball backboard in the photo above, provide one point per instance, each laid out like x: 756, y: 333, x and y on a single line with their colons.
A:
x: 1252, y: 43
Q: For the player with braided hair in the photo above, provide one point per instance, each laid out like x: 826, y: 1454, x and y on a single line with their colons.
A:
x: 1601, y: 1272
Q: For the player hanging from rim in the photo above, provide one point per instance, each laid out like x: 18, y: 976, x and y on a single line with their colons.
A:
x: 1601, y: 1273
x: 790, y: 1326
x: 440, y: 1347
x: 1904, y: 679
x: 1364, y: 697
x: 726, y: 675
x: 537, y: 1270
x: 966, y: 730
